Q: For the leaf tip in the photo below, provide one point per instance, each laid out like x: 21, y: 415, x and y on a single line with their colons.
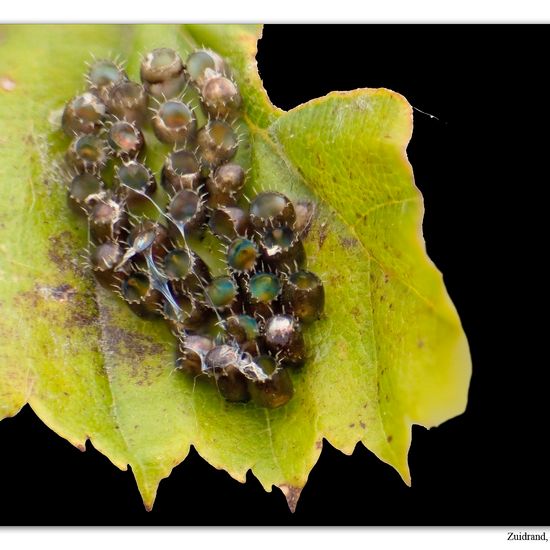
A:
x: 292, y: 495
x: 148, y: 506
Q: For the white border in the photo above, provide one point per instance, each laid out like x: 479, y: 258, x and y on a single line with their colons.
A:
x: 281, y: 11
x: 267, y: 538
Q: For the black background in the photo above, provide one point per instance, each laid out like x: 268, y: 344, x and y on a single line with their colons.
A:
x: 482, y: 180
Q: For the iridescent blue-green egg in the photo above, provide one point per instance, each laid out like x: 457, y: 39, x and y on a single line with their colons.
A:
x: 222, y: 292
x: 242, y: 254
x: 264, y: 287
x: 243, y: 328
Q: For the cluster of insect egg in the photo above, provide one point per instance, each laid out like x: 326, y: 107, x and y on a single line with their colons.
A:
x: 241, y: 330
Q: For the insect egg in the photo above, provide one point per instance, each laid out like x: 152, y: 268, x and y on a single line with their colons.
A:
x: 104, y: 75
x: 84, y: 114
x: 148, y: 234
x: 275, y: 388
x: 243, y: 328
x: 304, y: 295
x: 264, y: 287
x: 217, y: 142
x: 227, y: 222
x: 221, y: 292
x: 136, y: 287
x: 125, y: 139
x: 187, y: 271
x: 220, y: 97
x: 242, y: 254
x: 106, y: 219
x: 87, y: 152
x: 245, y: 331
x: 283, y: 336
x: 127, y: 100
x: 181, y: 170
x: 104, y: 258
x: 162, y: 73
x: 187, y: 211
x: 138, y: 292
x: 271, y: 208
x: 174, y: 122
x: 178, y: 264
x: 202, y: 64
x: 282, y: 249
x: 225, y: 184
x: 224, y: 362
x: 192, y: 351
x: 160, y: 64
x: 85, y: 189
x: 135, y: 180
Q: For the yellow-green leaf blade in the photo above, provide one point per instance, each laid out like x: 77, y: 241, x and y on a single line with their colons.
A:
x: 389, y: 351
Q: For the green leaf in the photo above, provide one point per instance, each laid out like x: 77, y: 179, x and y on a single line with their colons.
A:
x: 390, y: 351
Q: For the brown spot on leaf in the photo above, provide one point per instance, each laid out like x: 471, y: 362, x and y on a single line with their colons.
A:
x: 349, y: 242
x: 133, y: 350
x: 319, y: 444
x: 80, y: 307
x: 292, y: 495
x: 63, y: 251
x: 420, y: 343
x: 362, y: 424
x: 389, y: 438
x: 61, y: 293
x: 352, y: 425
